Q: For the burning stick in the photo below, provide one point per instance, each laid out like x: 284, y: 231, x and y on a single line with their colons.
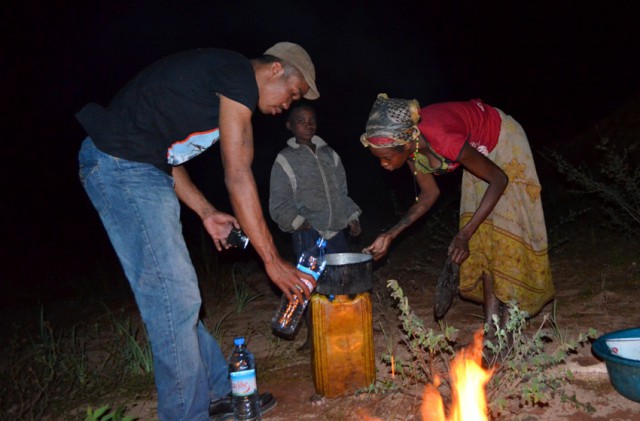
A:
x: 393, y: 367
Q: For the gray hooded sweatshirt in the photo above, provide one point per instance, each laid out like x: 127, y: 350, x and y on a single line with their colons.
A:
x: 310, y: 187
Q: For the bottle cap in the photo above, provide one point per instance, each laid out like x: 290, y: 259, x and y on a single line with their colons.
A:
x: 238, y: 341
x: 321, y: 242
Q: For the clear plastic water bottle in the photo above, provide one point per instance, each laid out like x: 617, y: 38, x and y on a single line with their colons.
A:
x: 287, y: 318
x: 244, y: 389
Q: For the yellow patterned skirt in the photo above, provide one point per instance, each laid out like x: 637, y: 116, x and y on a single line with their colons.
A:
x: 511, y: 244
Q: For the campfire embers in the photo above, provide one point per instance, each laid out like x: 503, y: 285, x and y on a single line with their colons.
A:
x: 468, y: 380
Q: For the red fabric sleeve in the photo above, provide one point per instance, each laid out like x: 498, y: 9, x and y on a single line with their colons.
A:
x: 448, y: 126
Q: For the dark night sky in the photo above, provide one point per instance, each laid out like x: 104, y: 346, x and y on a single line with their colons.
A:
x: 556, y: 66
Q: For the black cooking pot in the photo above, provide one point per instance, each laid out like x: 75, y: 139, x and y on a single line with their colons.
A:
x: 346, y: 274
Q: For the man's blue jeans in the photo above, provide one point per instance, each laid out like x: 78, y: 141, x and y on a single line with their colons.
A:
x: 141, y: 213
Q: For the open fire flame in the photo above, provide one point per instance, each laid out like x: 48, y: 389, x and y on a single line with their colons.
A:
x: 468, y: 380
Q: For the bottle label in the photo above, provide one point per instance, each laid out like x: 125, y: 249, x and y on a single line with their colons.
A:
x: 305, y: 269
x: 307, y: 283
x: 243, y: 383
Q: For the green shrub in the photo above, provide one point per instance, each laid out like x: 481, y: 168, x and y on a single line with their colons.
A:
x: 426, y: 346
x: 525, y: 370
x: 526, y: 367
x: 613, y: 180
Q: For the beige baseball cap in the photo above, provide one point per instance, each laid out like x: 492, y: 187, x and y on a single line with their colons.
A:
x: 296, y: 56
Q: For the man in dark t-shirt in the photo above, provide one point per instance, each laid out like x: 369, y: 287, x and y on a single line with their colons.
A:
x: 131, y: 167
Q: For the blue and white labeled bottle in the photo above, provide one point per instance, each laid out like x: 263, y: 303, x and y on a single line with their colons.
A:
x: 311, y: 261
x: 244, y: 387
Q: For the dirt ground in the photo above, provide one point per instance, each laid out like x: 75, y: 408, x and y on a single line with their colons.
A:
x: 594, y: 290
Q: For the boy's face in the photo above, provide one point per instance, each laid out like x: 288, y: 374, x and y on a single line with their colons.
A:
x: 302, y: 123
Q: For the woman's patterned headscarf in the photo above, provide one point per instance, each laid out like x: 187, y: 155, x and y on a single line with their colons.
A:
x: 392, y: 122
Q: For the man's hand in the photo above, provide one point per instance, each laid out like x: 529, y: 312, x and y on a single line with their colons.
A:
x: 218, y: 225
x: 289, y: 279
x: 379, y: 247
x: 354, y: 228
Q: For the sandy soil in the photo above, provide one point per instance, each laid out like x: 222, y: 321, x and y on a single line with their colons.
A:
x: 595, y: 290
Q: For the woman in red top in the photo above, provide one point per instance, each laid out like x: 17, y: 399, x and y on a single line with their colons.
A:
x: 502, y: 242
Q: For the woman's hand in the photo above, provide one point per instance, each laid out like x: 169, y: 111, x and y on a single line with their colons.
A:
x: 380, y: 246
x: 459, y: 248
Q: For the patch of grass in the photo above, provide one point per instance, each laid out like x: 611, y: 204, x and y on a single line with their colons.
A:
x: 133, y: 348
x: 38, y: 368
x: 242, y: 291
x: 50, y: 372
x: 103, y: 414
x: 219, y: 330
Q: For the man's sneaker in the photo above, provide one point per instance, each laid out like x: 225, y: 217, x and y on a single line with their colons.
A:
x: 222, y: 409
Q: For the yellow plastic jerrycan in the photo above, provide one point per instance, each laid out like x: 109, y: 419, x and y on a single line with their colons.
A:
x: 343, y: 357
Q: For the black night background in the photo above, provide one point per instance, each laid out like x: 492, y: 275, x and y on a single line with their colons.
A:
x: 558, y: 67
